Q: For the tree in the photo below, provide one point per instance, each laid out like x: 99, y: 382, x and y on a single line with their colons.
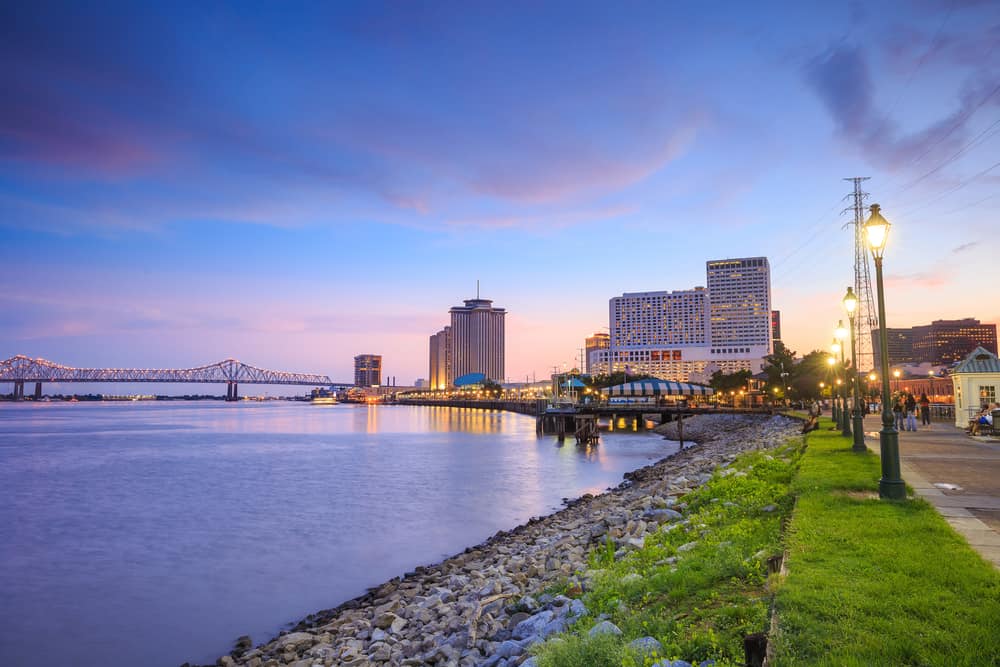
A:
x: 724, y: 382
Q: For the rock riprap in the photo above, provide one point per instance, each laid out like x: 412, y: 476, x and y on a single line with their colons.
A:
x: 486, y: 606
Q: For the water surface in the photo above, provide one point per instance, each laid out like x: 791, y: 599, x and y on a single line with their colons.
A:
x: 156, y: 533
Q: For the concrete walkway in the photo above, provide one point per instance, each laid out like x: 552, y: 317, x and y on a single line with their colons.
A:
x: 958, y: 474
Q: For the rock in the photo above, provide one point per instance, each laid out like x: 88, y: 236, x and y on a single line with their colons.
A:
x: 226, y: 661
x: 379, y: 635
x: 530, y: 662
x: 663, y: 515
x: 243, y: 644
x: 533, y: 625
x: 577, y: 609
x: 604, y: 628
x: 768, y: 508
x: 510, y: 648
x: 688, y: 546
x: 646, y: 647
x: 293, y: 639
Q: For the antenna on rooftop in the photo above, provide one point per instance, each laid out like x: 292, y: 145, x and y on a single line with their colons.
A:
x: 477, y: 289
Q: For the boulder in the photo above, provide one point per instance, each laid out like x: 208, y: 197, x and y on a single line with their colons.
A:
x: 604, y: 628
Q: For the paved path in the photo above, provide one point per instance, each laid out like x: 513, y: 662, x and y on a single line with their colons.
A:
x: 958, y: 474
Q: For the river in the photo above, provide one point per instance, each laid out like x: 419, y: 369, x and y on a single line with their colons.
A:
x: 156, y: 533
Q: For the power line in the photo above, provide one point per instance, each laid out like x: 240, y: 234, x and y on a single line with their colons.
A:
x: 951, y: 190
x: 972, y: 143
x: 923, y: 57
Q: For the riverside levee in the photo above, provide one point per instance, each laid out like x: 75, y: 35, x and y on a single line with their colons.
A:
x: 486, y: 606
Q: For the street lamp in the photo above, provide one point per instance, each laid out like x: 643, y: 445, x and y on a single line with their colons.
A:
x: 891, y: 485
x: 840, y: 333
x: 896, y: 375
x: 850, y: 305
x: 832, y: 361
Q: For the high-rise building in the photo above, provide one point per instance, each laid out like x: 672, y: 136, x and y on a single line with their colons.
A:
x: 599, y: 341
x: 940, y: 342
x: 368, y: 370
x: 477, y: 340
x: 775, y: 327
x: 739, y: 297
x: 440, y: 359
x: 899, y: 344
x: 662, y: 333
x: 688, y: 334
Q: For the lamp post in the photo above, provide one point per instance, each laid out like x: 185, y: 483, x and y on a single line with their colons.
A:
x: 835, y: 408
x: 891, y: 485
x: 841, y: 335
x: 896, y: 375
x: 850, y: 305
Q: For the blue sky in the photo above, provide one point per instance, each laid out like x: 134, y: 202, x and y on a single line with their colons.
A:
x: 292, y: 184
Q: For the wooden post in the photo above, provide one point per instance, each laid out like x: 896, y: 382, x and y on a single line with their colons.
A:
x: 680, y: 429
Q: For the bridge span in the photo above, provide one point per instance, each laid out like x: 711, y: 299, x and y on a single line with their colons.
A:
x: 232, y: 373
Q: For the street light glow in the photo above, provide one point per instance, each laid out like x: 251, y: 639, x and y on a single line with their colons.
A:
x: 840, y: 333
x: 876, y: 231
x: 850, y: 301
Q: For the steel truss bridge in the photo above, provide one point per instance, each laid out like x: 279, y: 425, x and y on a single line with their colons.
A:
x: 232, y: 373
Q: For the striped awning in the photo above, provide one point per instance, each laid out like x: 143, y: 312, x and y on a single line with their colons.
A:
x: 658, y: 388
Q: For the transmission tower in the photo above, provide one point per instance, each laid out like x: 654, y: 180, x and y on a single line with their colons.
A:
x: 866, y: 317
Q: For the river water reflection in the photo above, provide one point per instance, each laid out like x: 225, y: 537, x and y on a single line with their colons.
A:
x: 156, y: 533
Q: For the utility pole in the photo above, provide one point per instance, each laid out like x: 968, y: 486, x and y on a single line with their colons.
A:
x: 866, y: 319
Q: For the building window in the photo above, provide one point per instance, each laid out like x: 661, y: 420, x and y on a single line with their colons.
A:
x: 987, y: 395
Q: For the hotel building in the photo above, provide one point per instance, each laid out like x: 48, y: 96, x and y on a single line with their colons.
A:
x: 686, y: 335
x: 368, y: 370
x: 596, y: 362
x: 440, y: 359
x: 940, y: 342
x: 477, y: 340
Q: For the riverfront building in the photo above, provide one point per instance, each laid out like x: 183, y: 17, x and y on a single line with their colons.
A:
x: 595, y: 362
x: 368, y: 370
x: 940, y: 342
x: 440, y: 359
x: 477, y: 340
x: 686, y: 335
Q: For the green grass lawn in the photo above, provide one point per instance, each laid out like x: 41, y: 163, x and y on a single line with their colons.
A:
x: 874, y: 582
x: 699, y: 586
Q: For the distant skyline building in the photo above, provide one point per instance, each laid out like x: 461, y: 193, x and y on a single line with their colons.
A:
x: 368, y: 370
x: 775, y: 327
x: 688, y: 334
x: 739, y: 295
x: 440, y: 359
x: 477, y: 340
x: 592, y: 344
x: 940, y: 342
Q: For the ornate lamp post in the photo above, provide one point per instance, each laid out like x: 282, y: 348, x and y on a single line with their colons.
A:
x: 841, y: 335
x: 891, y: 485
x: 838, y: 411
x: 850, y: 305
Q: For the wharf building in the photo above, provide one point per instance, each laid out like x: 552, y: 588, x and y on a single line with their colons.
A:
x: 440, y: 360
x: 686, y: 335
x: 368, y: 370
x: 940, y: 342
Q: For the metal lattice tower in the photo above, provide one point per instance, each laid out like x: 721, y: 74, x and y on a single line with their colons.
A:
x: 866, y: 317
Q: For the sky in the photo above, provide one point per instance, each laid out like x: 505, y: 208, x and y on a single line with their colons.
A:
x: 292, y: 184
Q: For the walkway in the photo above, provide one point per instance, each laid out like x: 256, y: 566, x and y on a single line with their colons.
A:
x: 958, y: 474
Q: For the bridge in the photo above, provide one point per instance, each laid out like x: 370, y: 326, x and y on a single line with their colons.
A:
x: 21, y: 369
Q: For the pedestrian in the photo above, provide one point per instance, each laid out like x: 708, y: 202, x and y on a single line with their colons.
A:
x: 911, y: 412
x: 899, y: 412
x: 925, y: 409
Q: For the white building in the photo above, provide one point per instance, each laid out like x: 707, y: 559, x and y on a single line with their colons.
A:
x: 976, y: 381
x: 477, y: 340
x: 739, y: 297
x: 686, y: 335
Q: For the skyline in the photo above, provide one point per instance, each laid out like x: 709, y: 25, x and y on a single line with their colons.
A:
x: 292, y: 188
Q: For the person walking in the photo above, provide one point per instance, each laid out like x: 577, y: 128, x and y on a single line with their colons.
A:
x: 911, y: 412
x: 925, y: 409
x: 899, y: 411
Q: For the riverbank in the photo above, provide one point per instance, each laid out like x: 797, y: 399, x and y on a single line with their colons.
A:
x: 488, y: 604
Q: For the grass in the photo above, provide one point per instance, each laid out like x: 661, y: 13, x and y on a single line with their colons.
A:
x: 701, y: 601
x: 870, y: 582
x: 873, y: 582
